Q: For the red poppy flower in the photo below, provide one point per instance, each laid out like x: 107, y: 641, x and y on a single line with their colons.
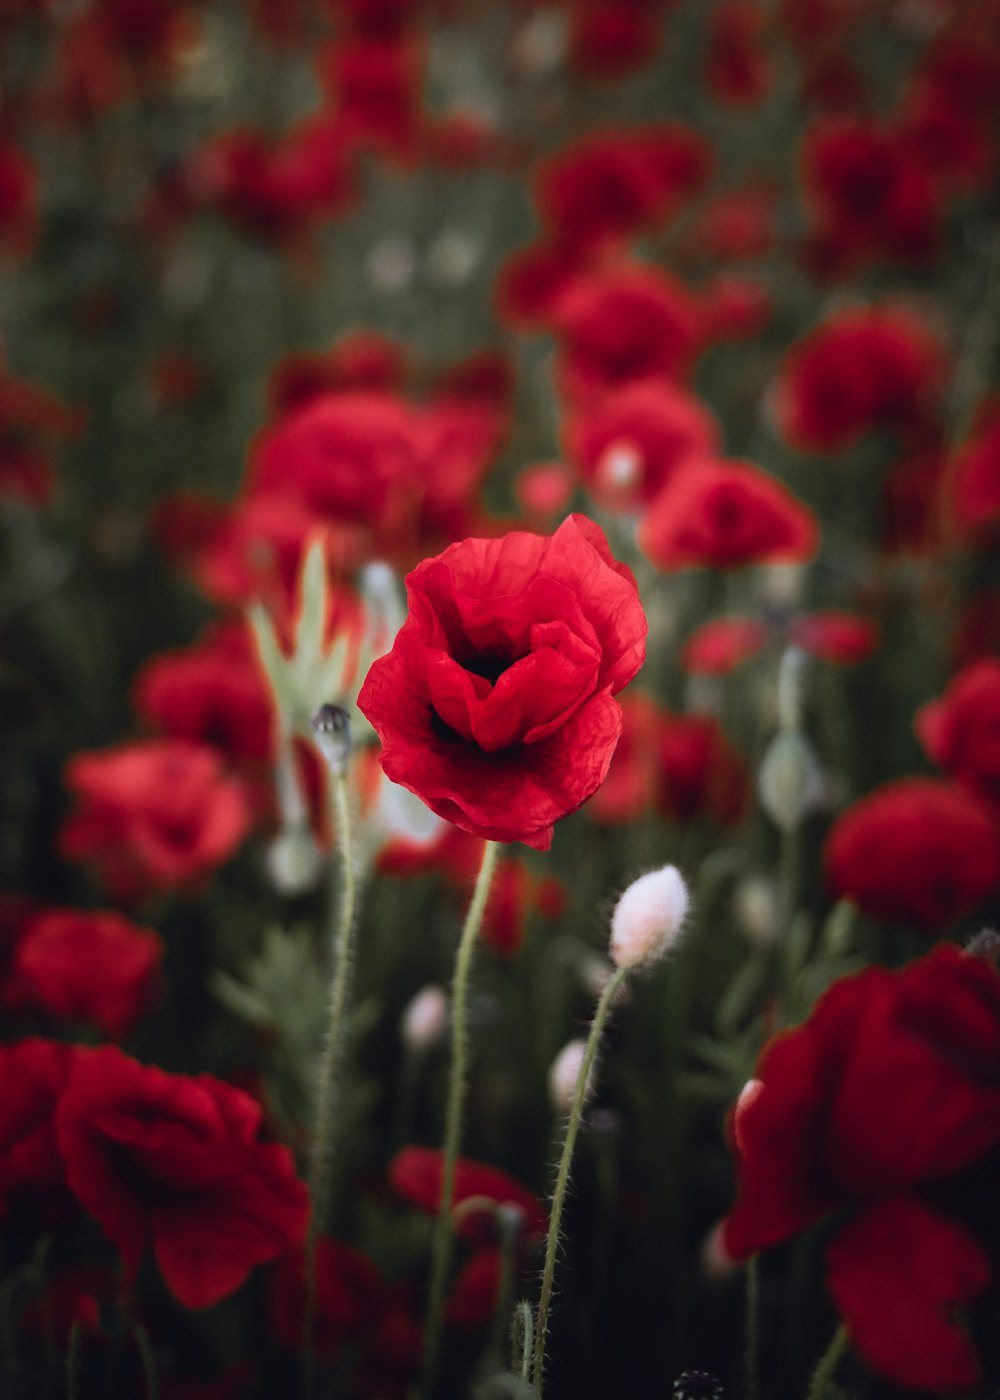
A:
x: 349, y: 1296
x: 974, y: 484
x: 698, y: 771
x: 887, y: 1087
x: 718, y: 647
x: 18, y: 199
x: 212, y: 692
x: 737, y: 70
x: 961, y: 731
x: 914, y: 850
x: 724, y: 515
x: 171, y: 1162
x: 839, y: 637
x: 495, y: 704
x: 629, y: 446
x: 361, y: 360
x: 897, y: 1273
x: 87, y: 965
x: 860, y: 369
x: 153, y: 814
x: 532, y: 282
x: 33, y: 1075
x: 623, y: 325
x: 610, y: 39
x: 416, y: 1173
x: 871, y: 195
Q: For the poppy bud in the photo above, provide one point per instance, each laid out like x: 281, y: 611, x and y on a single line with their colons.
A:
x: 648, y: 917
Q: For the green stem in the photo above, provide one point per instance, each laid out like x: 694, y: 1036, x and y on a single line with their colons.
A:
x: 441, y: 1246
x: 321, y: 1164
x: 565, y: 1160
x: 73, y: 1361
x: 828, y: 1364
x: 148, y: 1359
x: 751, y: 1324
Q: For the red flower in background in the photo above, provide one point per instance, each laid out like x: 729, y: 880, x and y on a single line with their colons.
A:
x: 33, y: 1075
x: 961, y: 731
x: 212, y: 693
x: 623, y: 325
x: 495, y: 704
x: 361, y: 360
x: 718, y: 647
x: 914, y: 851
x: 349, y: 1298
x: 682, y: 764
x: 153, y: 815
x: 87, y: 965
x: 839, y: 637
x: 973, y: 484
x: 725, y: 515
x: 630, y: 445
x: 890, y: 1086
x: 416, y: 1173
x: 18, y: 200
x: 174, y: 1163
x: 861, y: 369
x: 737, y: 70
x: 605, y: 188
x: 872, y: 197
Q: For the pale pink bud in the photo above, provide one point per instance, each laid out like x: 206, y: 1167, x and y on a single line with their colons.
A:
x: 564, y: 1073
x: 648, y: 917
x: 424, y: 1020
x: 716, y: 1262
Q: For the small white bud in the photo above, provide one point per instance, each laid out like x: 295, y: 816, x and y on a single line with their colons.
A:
x: 717, y: 1264
x: 756, y: 906
x: 648, y: 917
x: 424, y: 1020
x: 294, y: 860
x: 564, y: 1073
x: 790, y: 781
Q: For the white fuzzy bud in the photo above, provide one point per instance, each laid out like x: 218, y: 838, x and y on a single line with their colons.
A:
x: 424, y: 1020
x: 564, y: 1073
x: 648, y: 917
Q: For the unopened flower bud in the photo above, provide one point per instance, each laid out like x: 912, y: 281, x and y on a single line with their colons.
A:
x: 717, y: 1264
x: 564, y: 1073
x: 294, y: 860
x: 790, y: 782
x: 424, y: 1020
x: 756, y: 907
x: 331, y: 727
x: 648, y: 917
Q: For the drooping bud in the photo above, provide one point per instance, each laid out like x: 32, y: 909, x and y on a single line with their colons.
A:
x: 648, y: 917
x: 331, y: 725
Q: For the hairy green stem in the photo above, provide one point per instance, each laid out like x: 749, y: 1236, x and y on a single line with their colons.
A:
x: 441, y: 1246
x: 823, y: 1374
x: 343, y: 901
x: 565, y: 1161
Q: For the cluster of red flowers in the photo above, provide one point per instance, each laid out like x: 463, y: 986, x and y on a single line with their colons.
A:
x: 724, y: 350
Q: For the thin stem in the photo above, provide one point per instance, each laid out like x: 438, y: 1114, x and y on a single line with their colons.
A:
x: 828, y: 1364
x: 73, y: 1361
x: 565, y: 1160
x: 148, y: 1359
x: 321, y: 1164
x: 751, y: 1324
x: 441, y: 1246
